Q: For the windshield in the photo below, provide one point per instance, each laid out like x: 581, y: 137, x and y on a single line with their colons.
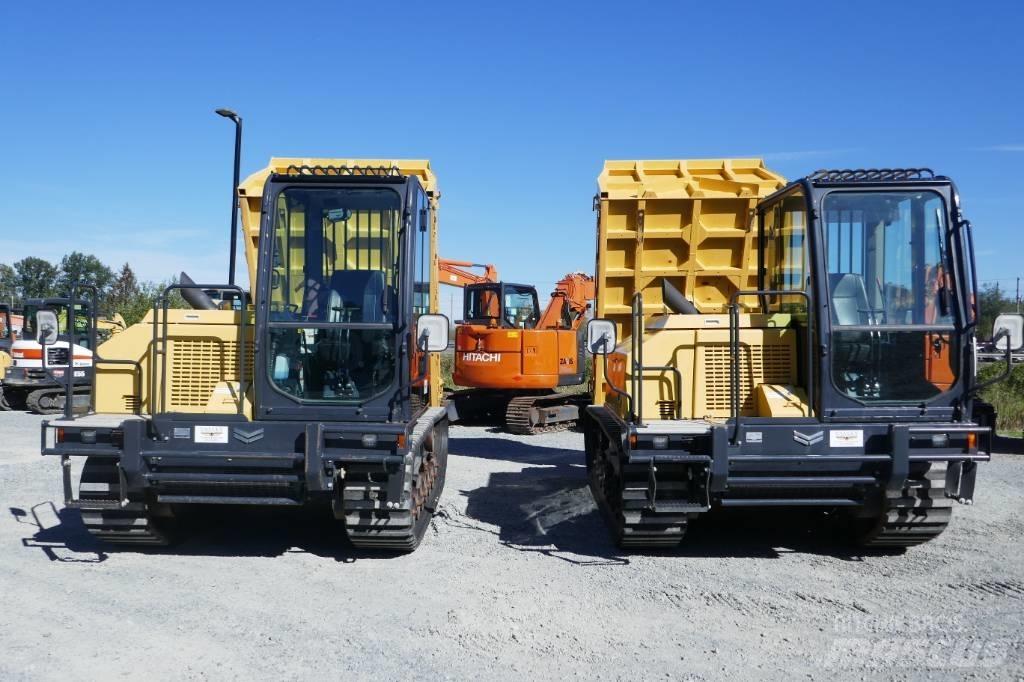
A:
x: 888, y: 268
x: 335, y: 264
x: 887, y: 258
x: 483, y: 302
x: 510, y: 305
x: 335, y: 255
x: 520, y: 306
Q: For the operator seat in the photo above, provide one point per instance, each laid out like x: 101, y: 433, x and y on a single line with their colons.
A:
x: 849, y: 300
x: 362, y: 293
x: 852, y: 350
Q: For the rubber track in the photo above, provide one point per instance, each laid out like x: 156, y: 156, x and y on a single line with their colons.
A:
x: 132, y: 526
x: 627, y: 510
x: 517, y: 414
x: 34, y: 399
x: 914, y: 515
x: 371, y: 525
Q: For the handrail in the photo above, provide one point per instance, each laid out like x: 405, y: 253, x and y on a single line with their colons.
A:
x: 162, y: 305
x: 93, y: 311
x: 638, y: 367
x: 637, y: 355
x: 734, y: 351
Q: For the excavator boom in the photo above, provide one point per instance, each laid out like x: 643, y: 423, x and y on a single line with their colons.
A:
x: 452, y: 273
x: 568, y: 305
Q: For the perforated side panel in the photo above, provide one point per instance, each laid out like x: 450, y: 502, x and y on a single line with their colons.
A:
x: 196, y: 366
x: 758, y: 365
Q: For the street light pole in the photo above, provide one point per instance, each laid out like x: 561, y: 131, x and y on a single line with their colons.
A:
x: 227, y: 113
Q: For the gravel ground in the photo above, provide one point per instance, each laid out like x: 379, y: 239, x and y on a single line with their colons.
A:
x: 516, y: 578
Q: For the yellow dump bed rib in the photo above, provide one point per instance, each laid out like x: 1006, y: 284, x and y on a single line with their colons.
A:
x: 688, y: 221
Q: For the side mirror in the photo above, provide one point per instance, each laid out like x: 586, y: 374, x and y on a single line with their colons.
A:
x: 46, y: 323
x: 1013, y: 323
x: 600, y: 337
x: 432, y: 332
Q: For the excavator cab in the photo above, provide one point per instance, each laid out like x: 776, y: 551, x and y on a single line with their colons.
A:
x: 509, y: 306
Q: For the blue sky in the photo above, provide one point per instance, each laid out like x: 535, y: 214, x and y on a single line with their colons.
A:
x: 110, y: 146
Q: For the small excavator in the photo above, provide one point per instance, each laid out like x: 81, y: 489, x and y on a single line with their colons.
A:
x: 511, y: 356
x: 32, y: 380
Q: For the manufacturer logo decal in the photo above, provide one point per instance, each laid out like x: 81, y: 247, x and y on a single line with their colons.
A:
x: 248, y: 436
x: 809, y: 439
x: 210, y: 434
x: 481, y: 357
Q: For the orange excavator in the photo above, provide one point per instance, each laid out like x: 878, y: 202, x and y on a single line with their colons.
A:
x: 512, y: 356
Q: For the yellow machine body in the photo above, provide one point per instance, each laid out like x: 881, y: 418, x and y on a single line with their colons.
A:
x: 202, y: 345
x: 690, y: 222
x: 201, y: 366
x: 697, y: 346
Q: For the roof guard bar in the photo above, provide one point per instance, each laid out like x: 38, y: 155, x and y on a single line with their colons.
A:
x: 871, y: 175
x: 365, y: 171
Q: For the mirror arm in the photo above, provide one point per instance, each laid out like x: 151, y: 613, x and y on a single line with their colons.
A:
x: 1002, y: 333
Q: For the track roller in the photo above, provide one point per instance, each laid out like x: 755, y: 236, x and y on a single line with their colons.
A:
x: 623, y: 493
x: 137, y: 524
x: 51, y: 400
x: 531, y: 414
x: 374, y: 522
x: 914, y: 515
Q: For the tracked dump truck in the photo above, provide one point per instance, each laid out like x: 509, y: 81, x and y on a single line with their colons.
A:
x: 764, y: 344
x: 326, y: 389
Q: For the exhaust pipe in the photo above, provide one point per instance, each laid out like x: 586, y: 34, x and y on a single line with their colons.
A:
x: 197, y: 298
x: 675, y: 300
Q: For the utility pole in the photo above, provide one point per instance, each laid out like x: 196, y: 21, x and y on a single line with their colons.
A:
x: 1018, y: 294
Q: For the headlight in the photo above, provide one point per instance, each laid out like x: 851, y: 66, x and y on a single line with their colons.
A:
x: 369, y: 440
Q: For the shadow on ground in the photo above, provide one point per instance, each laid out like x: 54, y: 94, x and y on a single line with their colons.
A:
x: 518, y: 449
x: 1008, y: 446
x: 548, y: 507
x: 203, y: 531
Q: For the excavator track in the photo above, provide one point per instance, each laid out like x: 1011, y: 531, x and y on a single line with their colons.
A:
x: 51, y: 400
x: 370, y: 521
x: 623, y: 493
x: 521, y: 419
x: 914, y: 515
x: 135, y: 524
x: 8, y: 402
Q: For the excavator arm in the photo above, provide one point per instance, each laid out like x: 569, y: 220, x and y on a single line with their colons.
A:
x: 453, y: 273
x: 568, y: 305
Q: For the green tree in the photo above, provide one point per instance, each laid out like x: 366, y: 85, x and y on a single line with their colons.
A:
x: 991, y: 302
x: 84, y: 269
x: 35, y: 278
x: 8, y: 284
x: 133, y: 299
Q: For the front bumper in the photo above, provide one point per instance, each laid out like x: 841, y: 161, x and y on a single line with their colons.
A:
x: 227, y: 460
x: 797, y: 462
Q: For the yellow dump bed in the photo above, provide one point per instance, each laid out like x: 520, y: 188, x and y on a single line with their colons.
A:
x: 687, y: 221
